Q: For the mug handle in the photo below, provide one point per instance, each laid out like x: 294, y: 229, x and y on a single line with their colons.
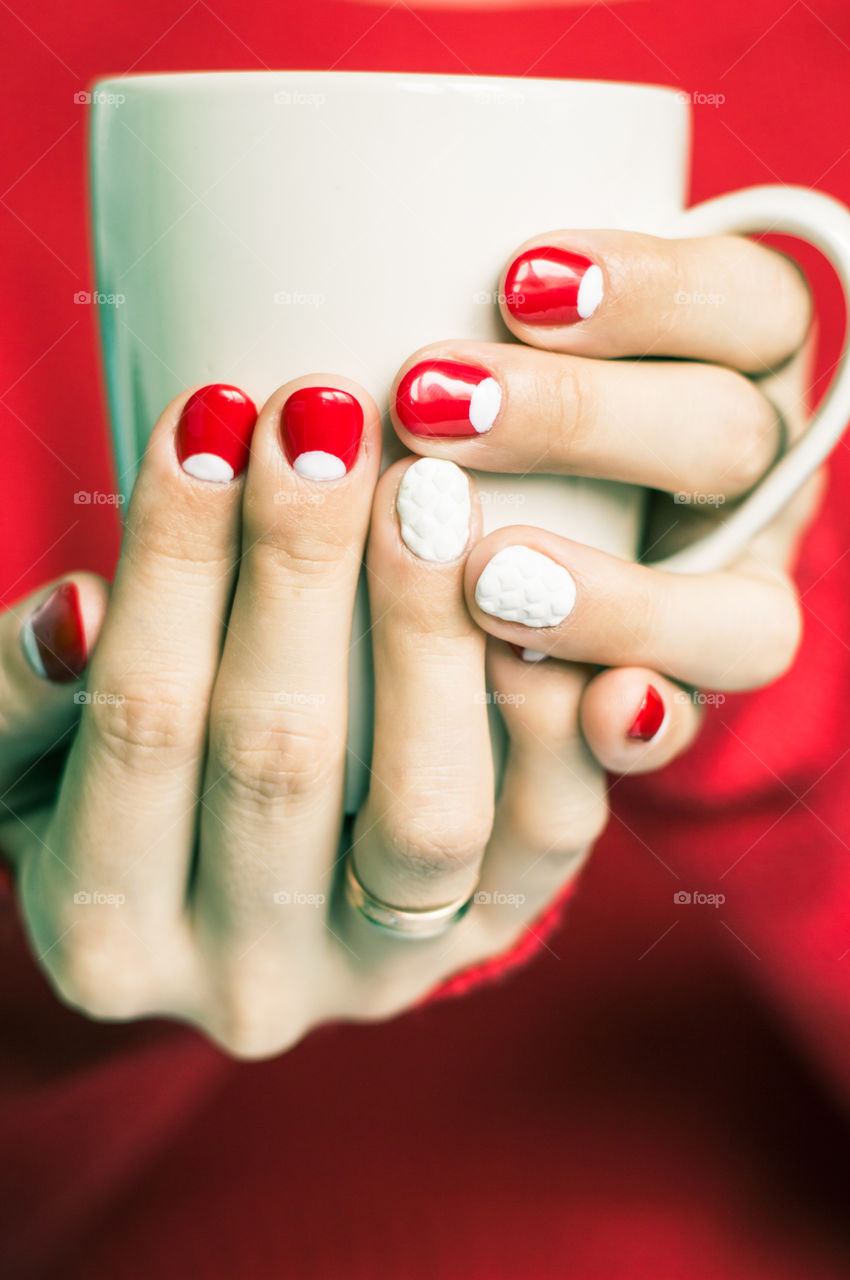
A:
x: 825, y: 223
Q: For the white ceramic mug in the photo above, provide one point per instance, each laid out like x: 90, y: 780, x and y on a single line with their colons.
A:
x: 251, y: 227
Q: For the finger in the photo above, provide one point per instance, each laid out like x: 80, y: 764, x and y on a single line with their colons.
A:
x: 125, y: 819
x: 45, y: 644
x: 552, y: 806
x: 421, y: 834
x: 635, y: 720
x: 732, y: 630
x: 693, y: 428
x: 724, y: 299
x: 273, y: 789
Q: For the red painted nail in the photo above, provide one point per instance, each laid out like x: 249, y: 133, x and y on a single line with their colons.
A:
x: 213, y: 438
x: 552, y: 287
x: 649, y: 718
x: 54, y: 638
x: 321, y: 429
x: 447, y: 398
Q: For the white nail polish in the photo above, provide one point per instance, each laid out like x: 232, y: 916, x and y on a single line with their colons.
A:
x: 318, y: 465
x: 532, y: 655
x: 485, y: 404
x: 521, y: 585
x: 208, y: 466
x: 589, y: 292
x: 434, y: 507
x: 29, y: 645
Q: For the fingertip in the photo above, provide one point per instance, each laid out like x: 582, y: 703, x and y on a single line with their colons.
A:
x: 635, y: 720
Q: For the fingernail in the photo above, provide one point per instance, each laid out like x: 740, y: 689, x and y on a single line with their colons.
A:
x: 528, y: 655
x: 649, y: 718
x: 552, y: 286
x: 447, y: 398
x: 433, y: 508
x: 213, y: 438
x: 521, y: 585
x: 321, y: 429
x: 54, y: 638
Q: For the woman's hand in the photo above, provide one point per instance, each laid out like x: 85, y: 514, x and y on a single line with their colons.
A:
x: 187, y: 864
x: 675, y: 364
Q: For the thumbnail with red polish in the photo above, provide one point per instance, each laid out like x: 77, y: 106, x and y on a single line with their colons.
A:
x: 54, y: 638
x: 213, y: 438
x: 447, y: 398
x: 551, y: 286
x: 649, y: 718
x: 321, y: 429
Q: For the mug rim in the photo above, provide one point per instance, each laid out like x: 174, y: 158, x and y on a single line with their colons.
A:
x: 385, y: 80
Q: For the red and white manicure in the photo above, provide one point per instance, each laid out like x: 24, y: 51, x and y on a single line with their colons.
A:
x: 321, y: 429
x: 550, y: 286
x: 53, y: 638
x: 447, y: 398
x: 213, y: 439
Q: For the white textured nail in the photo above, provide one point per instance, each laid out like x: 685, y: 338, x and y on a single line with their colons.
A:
x: 433, y: 509
x: 521, y: 585
x: 589, y: 292
x: 318, y: 465
x: 208, y: 466
x: 484, y: 404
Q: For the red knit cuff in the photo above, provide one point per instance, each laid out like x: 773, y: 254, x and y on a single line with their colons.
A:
x: 498, y: 966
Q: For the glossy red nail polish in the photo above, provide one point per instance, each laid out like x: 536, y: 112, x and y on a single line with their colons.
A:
x: 447, y: 398
x: 649, y: 718
x: 54, y: 638
x: 551, y: 286
x: 321, y: 429
x: 213, y: 438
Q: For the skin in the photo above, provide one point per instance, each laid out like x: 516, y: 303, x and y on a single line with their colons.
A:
x: 214, y: 782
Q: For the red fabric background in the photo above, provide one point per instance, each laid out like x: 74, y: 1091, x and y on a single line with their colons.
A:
x: 663, y: 1091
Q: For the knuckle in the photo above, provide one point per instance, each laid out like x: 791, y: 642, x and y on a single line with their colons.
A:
x: 560, y: 402
x: 275, y: 758
x: 781, y: 632
x: 100, y: 973
x: 252, y: 1020
x: 426, y: 844
x: 150, y: 721
x: 752, y: 434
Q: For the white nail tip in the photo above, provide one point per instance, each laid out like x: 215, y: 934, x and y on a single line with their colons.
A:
x: 589, y: 292
x: 485, y: 404
x: 533, y: 655
x: 30, y: 648
x: 434, y: 507
x: 521, y: 585
x: 318, y: 465
x: 208, y: 466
